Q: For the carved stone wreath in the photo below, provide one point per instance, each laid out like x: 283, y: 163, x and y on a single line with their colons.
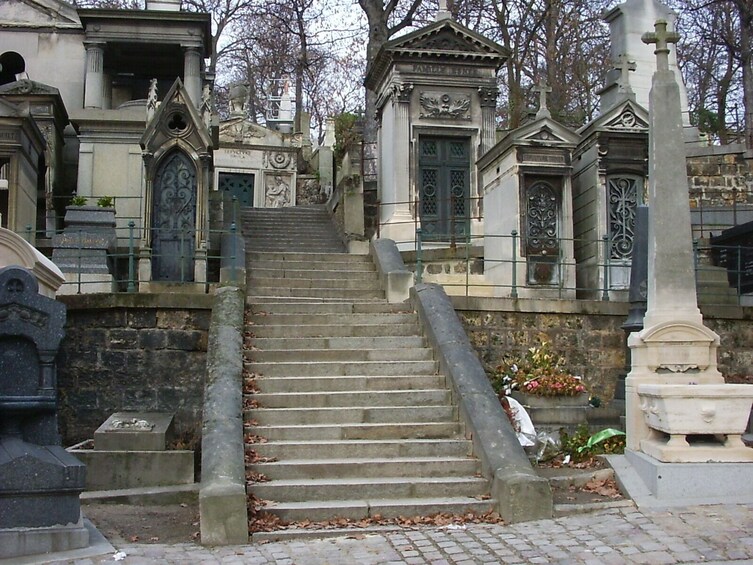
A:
x: 279, y: 160
x: 444, y: 105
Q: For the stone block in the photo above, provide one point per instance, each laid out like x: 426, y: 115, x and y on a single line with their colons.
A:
x: 135, y: 431
x: 110, y: 470
x: 39, y: 485
x: 17, y: 542
x: 689, y: 482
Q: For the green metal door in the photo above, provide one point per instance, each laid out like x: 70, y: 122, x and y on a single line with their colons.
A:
x: 240, y: 185
x: 444, y: 187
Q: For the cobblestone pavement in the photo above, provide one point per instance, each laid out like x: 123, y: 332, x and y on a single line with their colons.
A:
x: 698, y: 534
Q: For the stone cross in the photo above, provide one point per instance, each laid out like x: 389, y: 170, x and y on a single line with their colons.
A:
x: 662, y: 38
x: 542, y: 89
x: 625, y: 65
x: 443, y: 13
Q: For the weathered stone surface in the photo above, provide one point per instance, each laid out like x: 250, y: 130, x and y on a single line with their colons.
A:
x: 135, y: 431
x: 522, y: 495
x: 108, y: 470
x: 115, y: 357
x: 222, y: 499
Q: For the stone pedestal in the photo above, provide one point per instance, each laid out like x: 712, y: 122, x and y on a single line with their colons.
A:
x: 130, y: 452
x: 81, y: 250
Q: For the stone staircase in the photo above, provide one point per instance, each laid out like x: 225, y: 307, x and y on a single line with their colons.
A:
x: 349, y: 417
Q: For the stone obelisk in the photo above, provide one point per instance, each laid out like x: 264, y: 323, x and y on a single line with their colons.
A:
x: 674, y: 347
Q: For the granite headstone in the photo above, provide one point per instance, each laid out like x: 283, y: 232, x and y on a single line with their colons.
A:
x: 40, y: 482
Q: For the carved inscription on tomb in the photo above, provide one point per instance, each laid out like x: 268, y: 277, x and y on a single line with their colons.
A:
x: 446, y: 70
x: 445, y: 105
x: 542, y: 157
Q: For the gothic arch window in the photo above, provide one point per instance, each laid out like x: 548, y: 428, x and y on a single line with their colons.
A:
x: 542, y: 224
x: 623, y: 192
x: 11, y: 64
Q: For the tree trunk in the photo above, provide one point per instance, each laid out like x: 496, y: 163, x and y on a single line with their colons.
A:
x: 746, y: 58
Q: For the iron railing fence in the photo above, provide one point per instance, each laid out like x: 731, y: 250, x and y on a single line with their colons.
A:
x: 724, y: 274
x: 123, y: 262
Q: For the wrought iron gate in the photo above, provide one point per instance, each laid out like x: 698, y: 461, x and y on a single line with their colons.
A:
x: 174, y: 219
x: 444, y: 187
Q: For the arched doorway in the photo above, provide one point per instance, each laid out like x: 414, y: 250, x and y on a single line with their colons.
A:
x: 174, y: 219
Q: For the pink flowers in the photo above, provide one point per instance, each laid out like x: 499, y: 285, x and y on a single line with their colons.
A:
x: 540, y: 372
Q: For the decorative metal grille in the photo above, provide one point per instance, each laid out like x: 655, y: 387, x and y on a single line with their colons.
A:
x: 541, y: 220
x: 429, y: 148
x: 623, y: 201
x: 429, y: 204
x: 174, y: 217
x: 458, y: 191
x: 457, y: 149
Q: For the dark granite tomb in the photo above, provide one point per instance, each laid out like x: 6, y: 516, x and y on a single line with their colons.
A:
x: 40, y: 482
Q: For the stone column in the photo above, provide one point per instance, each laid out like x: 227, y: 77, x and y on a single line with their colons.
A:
x: 488, y: 101
x: 192, y: 74
x: 396, y: 206
x: 94, y: 82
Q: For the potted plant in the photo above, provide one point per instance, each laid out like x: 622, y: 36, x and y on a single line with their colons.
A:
x: 539, y: 379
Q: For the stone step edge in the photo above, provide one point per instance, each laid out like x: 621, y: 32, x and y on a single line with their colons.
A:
x: 355, y: 481
x: 367, y: 460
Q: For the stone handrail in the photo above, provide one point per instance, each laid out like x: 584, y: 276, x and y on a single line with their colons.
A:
x: 396, y: 279
x: 520, y: 493
x: 222, y: 496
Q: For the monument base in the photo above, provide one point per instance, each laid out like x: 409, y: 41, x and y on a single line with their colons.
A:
x: 90, y: 283
x: 731, y: 451
x: 17, y: 542
x: 652, y: 483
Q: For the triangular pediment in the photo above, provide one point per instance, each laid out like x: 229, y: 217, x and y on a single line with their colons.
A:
x: 545, y: 131
x: 242, y: 130
x: 626, y: 116
x: 27, y: 86
x: 446, y: 37
x: 442, y: 40
x: 38, y: 14
x: 176, y: 121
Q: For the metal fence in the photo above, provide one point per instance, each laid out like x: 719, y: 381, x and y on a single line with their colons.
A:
x: 227, y: 253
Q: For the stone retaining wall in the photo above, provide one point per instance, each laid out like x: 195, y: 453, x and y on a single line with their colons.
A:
x: 587, y: 334
x: 132, y: 352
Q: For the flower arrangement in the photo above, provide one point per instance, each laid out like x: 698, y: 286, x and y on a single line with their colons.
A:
x: 77, y: 200
x: 539, y: 372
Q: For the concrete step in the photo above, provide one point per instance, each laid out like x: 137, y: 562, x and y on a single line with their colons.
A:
x: 300, y: 243
x: 268, y: 355
x: 386, y: 508
x: 351, y: 415
x: 299, y: 490
x: 263, y: 344
x: 381, y: 319
x: 264, y: 308
x: 331, y: 267
x: 342, y: 368
x: 319, y: 432
x: 367, y: 468
x: 319, y: 293
x: 269, y: 385
x: 282, y: 450
x: 296, y: 274
x: 323, y: 258
x: 369, y: 284
x: 344, y: 399
x: 332, y: 330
